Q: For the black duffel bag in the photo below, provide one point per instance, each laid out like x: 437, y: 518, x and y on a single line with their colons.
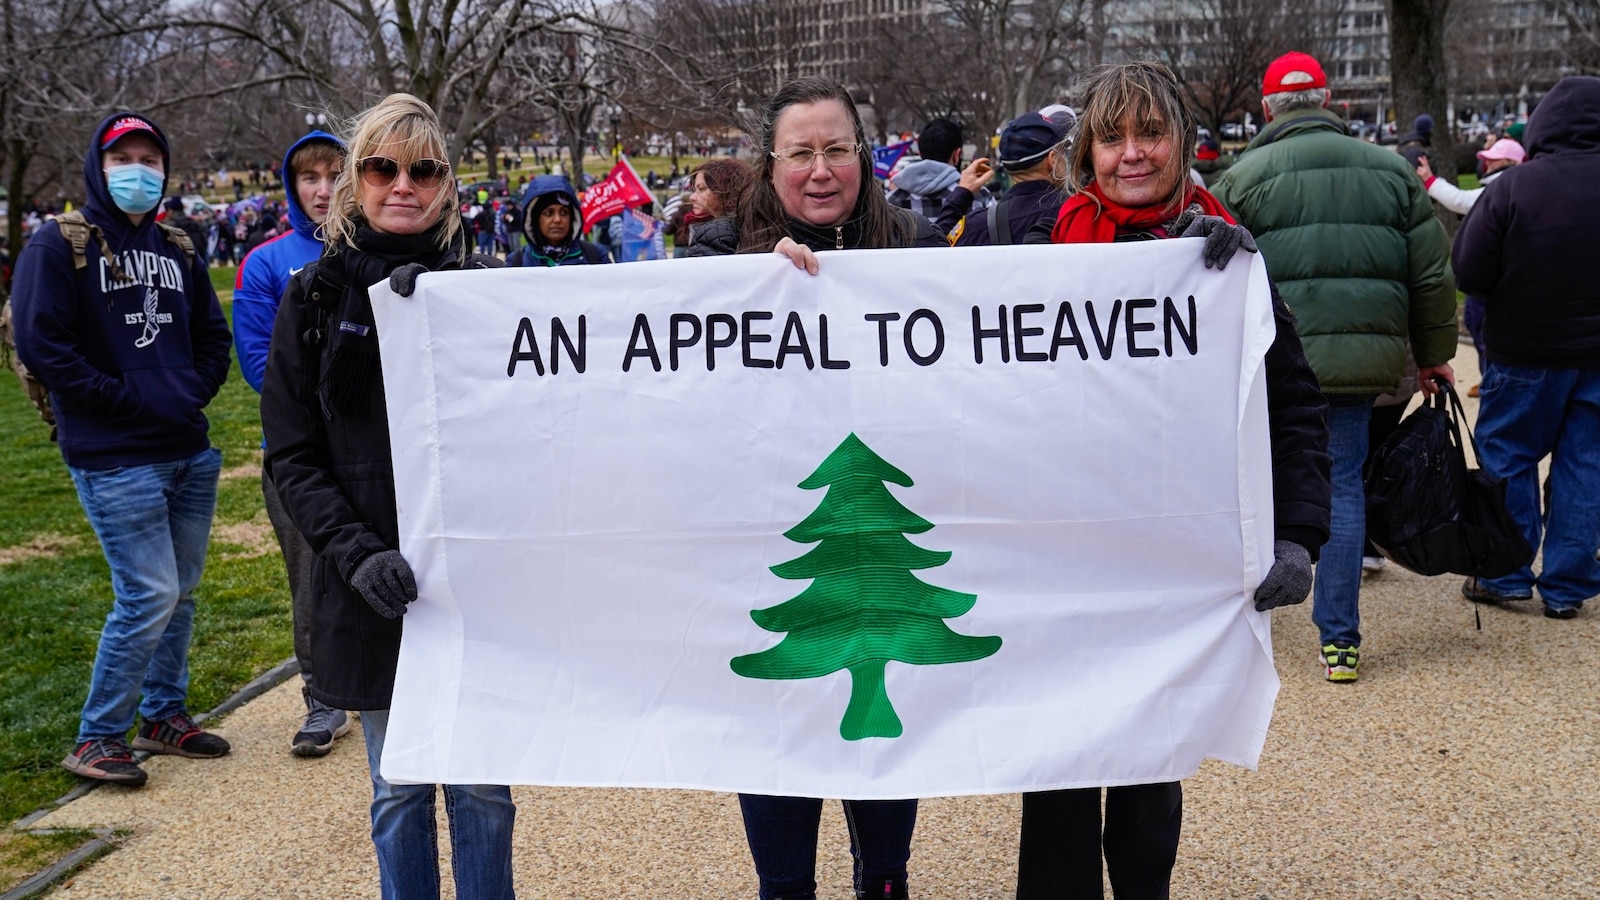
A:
x: 1431, y: 514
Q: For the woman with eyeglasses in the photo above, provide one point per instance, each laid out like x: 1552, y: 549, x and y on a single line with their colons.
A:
x: 392, y: 215
x: 812, y: 193
x: 813, y: 186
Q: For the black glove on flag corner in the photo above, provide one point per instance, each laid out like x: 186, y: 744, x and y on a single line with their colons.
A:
x: 385, y: 581
x: 1223, y: 240
x: 1289, y: 579
x: 403, y: 280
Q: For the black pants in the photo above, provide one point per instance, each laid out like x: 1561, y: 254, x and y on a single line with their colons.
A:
x: 1063, y: 839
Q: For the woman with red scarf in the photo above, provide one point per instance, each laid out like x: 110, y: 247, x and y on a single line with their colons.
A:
x: 1128, y: 180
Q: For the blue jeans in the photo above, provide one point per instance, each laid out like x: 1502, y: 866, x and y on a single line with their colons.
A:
x: 1525, y: 415
x: 153, y: 523
x: 1336, y: 593
x: 782, y: 832
x: 481, y: 817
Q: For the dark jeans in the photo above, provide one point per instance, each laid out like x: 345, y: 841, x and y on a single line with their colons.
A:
x: 783, y: 842
x: 1063, y: 839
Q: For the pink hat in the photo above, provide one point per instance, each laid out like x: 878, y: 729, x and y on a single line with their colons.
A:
x: 1505, y: 148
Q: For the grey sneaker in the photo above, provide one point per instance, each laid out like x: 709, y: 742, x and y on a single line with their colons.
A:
x: 322, y: 727
x: 105, y: 759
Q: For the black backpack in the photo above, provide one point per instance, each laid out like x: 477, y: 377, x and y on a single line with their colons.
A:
x: 1431, y: 514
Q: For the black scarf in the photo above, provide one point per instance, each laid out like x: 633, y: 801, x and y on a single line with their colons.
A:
x: 366, y: 259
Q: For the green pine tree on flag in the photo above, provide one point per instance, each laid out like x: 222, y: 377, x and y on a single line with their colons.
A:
x: 864, y: 607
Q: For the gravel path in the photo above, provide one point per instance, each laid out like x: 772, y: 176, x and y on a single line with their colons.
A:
x: 1462, y: 765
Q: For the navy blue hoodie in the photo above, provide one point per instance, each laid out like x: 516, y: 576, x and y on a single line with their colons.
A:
x: 130, y: 364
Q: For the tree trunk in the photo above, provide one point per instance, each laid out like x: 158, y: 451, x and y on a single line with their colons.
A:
x: 1418, y: 76
x: 16, y: 184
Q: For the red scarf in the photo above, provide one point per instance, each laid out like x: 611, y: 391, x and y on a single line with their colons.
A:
x: 1082, y: 221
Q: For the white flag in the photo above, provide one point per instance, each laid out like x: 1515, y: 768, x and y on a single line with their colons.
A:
x: 931, y: 522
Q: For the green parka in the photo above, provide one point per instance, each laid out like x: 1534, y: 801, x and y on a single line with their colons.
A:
x: 1349, y: 236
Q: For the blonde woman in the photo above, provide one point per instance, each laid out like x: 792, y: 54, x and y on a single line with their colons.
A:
x: 393, y: 214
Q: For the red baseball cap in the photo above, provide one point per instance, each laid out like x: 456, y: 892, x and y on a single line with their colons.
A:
x: 130, y: 124
x: 1294, y: 71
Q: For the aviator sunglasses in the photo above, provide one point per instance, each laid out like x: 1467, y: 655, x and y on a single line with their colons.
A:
x: 381, y: 171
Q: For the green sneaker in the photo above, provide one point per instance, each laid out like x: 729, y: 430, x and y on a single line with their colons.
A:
x: 1341, y: 664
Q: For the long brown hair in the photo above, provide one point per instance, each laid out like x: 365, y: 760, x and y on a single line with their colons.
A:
x: 1149, y: 92
x: 727, y: 179
x: 762, y: 219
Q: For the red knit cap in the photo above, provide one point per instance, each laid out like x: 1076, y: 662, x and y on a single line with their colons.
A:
x: 1294, y: 71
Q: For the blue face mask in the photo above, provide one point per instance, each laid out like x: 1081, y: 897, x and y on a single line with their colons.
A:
x: 136, y: 189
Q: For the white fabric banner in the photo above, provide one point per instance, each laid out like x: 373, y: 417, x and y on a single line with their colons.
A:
x: 932, y: 522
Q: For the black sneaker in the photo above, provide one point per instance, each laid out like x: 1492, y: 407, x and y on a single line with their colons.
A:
x: 180, y: 736
x: 105, y: 759
x: 1570, y: 612
x: 322, y: 727
x: 1473, y: 590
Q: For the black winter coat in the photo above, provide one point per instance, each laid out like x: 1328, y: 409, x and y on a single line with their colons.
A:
x: 1528, y: 246
x: 331, y: 463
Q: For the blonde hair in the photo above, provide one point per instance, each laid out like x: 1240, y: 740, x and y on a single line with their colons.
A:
x: 1149, y: 93
x: 411, y: 124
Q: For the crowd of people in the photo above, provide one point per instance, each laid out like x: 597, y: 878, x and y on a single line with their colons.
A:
x: 115, y: 317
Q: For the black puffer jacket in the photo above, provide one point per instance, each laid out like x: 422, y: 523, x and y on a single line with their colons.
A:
x: 1528, y: 246
x: 327, y: 428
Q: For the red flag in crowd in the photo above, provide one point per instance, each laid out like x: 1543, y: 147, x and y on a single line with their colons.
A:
x: 620, y: 190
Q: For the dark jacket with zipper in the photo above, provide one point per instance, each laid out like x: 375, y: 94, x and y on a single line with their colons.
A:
x: 720, y: 237
x: 328, y: 453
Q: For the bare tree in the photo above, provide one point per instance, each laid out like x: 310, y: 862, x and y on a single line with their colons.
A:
x: 1420, y: 79
x: 982, y: 62
x: 1221, y: 48
x: 1582, y: 45
x: 474, y: 61
x: 46, y: 115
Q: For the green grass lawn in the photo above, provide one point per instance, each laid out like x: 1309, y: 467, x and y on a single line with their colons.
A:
x: 54, y: 597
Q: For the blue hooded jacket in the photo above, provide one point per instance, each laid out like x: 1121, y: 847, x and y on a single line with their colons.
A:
x: 571, y: 252
x: 129, y: 363
x: 265, y: 274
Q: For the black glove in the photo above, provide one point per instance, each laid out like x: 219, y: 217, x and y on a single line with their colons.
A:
x: 404, y: 279
x: 1222, y: 240
x: 385, y: 581
x: 1289, y: 579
